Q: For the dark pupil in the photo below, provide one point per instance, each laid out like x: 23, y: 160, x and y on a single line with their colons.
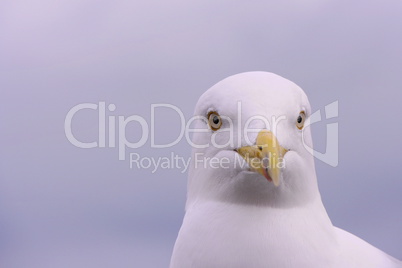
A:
x: 215, y: 119
x: 299, y: 119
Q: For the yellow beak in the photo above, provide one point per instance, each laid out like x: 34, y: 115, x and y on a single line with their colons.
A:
x: 265, y: 157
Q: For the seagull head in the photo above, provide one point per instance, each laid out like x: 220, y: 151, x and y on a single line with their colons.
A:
x: 250, y: 133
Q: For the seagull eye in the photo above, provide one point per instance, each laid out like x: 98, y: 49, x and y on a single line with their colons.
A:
x: 214, y: 121
x: 300, y: 120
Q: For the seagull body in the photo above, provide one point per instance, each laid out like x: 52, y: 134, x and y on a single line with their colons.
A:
x: 251, y: 213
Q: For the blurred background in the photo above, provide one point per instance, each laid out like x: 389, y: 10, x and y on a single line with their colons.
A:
x: 62, y: 206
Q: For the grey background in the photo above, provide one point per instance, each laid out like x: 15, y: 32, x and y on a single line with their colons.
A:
x: 61, y: 206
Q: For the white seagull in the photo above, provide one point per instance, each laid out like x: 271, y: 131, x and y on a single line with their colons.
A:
x: 253, y: 199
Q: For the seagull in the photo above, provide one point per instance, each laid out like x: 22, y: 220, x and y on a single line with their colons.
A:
x: 252, y: 196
